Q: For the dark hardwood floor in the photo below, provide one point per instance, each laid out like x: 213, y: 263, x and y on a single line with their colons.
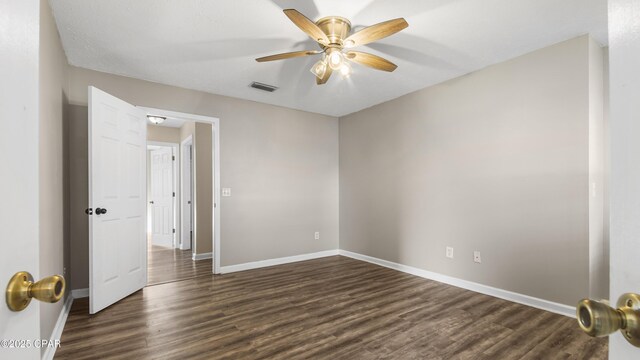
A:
x: 330, y: 308
x: 166, y: 265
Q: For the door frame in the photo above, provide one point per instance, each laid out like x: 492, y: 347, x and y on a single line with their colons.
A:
x: 215, y: 147
x: 188, y: 141
x: 175, y: 151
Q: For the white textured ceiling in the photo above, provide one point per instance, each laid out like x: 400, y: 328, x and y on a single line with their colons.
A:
x: 211, y: 45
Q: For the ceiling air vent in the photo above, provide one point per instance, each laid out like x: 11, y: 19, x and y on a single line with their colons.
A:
x: 263, y: 87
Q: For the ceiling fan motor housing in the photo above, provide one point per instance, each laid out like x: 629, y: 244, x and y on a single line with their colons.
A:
x: 337, y: 29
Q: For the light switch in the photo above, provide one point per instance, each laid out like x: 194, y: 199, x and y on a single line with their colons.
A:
x: 226, y: 191
x: 449, y: 252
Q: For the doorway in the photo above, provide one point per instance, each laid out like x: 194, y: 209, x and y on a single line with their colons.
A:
x: 167, y: 261
x: 181, y: 182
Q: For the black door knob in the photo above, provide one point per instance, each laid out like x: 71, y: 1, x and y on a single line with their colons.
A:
x: 151, y: 202
x: 100, y: 211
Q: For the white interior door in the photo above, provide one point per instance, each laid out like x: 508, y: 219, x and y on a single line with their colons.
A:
x: 624, y: 57
x: 19, y: 179
x: 162, y: 196
x: 187, y: 197
x: 117, y: 185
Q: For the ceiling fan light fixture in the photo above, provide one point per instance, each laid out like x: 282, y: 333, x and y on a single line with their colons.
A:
x: 345, y: 69
x: 319, y: 68
x: 335, y: 58
x: 156, y: 119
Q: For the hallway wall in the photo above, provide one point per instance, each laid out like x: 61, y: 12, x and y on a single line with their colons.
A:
x: 203, y: 173
x: 163, y: 134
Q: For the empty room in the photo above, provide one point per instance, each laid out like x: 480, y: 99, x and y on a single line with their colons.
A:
x: 320, y: 179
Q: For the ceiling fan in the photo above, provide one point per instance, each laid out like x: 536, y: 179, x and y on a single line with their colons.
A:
x: 332, y: 34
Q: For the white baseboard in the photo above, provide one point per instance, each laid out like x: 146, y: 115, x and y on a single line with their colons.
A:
x: 203, y: 256
x: 554, y: 307
x: 80, y: 293
x: 57, y: 330
x: 278, y: 261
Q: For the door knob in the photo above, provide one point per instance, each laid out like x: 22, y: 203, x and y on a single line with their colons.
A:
x: 599, y: 319
x: 151, y: 202
x: 21, y: 289
x: 100, y: 211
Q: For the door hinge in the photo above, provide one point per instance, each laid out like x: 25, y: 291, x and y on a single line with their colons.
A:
x: 174, y: 231
x: 174, y: 194
x: 173, y: 157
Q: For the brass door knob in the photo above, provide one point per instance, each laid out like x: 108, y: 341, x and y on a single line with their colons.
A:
x: 21, y: 289
x: 599, y: 319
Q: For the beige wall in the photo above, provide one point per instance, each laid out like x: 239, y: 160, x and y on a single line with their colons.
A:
x: 78, y: 196
x: 52, y: 165
x: 187, y: 129
x: 163, y: 134
x: 598, y: 267
x: 281, y: 164
x: 495, y: 161
x: 203, y: 140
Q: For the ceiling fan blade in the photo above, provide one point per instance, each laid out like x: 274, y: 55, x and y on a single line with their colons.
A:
x: 375, y: 32
x: 325, y: 78
x: 307, y: 26
x: 288, y: 55
x: 370, y: 60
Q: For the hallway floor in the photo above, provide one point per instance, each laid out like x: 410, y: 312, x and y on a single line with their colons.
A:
x: 167, y: 264
x: 329, y: 308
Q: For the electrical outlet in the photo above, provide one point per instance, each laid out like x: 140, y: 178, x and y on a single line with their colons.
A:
x: 476, y: 257
x: 449, y: 253
x: 317, y: 235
